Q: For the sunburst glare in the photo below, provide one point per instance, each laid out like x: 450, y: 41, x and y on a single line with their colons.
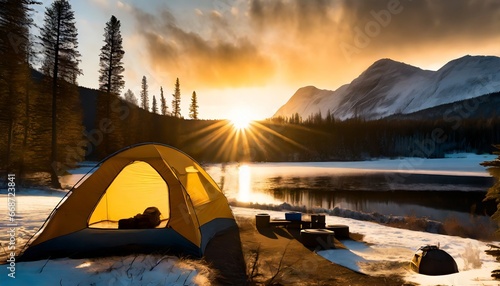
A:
x: 240, y: 119
x: 242, y: 139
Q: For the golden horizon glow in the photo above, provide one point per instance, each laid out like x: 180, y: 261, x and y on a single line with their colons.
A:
x: 243, y: 145
x: 241, y: 119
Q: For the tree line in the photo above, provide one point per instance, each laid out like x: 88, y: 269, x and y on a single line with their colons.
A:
x: 322, y: 139
x: 328, y: 139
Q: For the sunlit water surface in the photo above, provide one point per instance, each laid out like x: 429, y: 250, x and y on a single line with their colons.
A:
x: 456, y: 192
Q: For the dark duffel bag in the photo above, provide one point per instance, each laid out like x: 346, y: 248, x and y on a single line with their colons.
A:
x: 127, y: 223
x: 153, y: 216
x: 150, y: 218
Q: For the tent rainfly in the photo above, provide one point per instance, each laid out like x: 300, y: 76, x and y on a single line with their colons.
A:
x: 85, y: 223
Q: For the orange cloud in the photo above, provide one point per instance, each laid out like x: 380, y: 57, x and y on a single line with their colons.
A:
x: 320, y: 42
x: 213, y: 62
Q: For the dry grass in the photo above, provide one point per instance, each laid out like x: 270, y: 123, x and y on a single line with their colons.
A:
x: 206, y: 275
x: 471, y: 257
x: 473, y: 229
x: 411, y: 222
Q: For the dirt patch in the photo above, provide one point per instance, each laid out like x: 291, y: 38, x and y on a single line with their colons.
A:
x: 275, y: 256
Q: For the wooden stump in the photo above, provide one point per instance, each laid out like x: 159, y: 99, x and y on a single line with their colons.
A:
x: 262, y: 220
x: 322, y: 238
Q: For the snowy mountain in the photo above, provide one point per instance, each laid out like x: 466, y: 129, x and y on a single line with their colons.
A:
x: 484, y: 106
x: 388, y: 87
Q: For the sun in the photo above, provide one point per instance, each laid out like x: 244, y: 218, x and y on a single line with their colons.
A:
x: 240, y: 119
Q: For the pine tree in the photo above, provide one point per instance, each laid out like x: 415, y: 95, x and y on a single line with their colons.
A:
x: 59, y: 39
x: 130, y: 97
x: 144, y: 94
x: 329, y: 119
x: 164, y: 107
x: 154, y: 108
x: 176, y: 101
x: 111, y: 72
x: 193, y: 108
x: 111, y: 83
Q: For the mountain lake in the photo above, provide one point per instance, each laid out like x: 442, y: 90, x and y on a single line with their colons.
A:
x: 437, y: 189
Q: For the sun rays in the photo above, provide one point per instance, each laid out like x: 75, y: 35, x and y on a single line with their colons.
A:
x: 241, y: 139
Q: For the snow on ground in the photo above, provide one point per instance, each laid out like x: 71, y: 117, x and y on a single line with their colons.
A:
x: 126, y: 270
x: 32, y: 209
x: 81, y: 173
x: 386, y: 251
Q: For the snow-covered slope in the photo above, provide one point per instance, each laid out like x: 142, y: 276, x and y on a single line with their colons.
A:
x: 388, y: 87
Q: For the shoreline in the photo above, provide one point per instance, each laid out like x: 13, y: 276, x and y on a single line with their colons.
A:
x: 476, y: 230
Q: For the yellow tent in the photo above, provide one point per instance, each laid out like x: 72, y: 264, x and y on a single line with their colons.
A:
x: 193, y: 208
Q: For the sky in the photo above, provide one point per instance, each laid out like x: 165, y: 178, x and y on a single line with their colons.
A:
x: 250, y: 56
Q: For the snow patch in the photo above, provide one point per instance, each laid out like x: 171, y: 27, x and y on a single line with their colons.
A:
x: 126, y: 270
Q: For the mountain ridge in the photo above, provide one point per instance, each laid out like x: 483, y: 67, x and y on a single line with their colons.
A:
x: 390, y: 87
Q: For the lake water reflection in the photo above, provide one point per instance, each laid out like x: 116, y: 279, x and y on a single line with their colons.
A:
x: 423, y: 192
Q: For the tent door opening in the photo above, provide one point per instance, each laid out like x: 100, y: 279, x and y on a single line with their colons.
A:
x: 137, y: 187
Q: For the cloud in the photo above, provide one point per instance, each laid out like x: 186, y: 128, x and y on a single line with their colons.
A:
x: 235, y: 11
x: 320, y: 42
x: 297, y: 16
x: 303, y: 36
x: 123, y: 6
x: 317, y: 38
x: 424, y: 20
x: 204, y: 61
x: 102, y: 3
x: 427, y: 21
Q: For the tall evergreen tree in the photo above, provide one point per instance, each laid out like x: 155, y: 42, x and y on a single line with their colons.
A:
x: 111, y: 72
x: 59, y: 39
x: 164, y: 107
x: 144, y: 94
x: 130, y: 97
x: 193, y: 108
x: 111, y: 83
x: 154, y: 107
x: 176, y: 101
